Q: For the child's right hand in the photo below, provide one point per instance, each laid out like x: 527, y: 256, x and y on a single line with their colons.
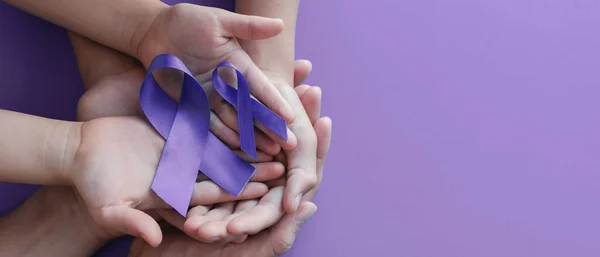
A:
x: 202, y: 37
x: 113, y: 169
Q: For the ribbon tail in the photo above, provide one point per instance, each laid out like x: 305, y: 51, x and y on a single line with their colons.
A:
x: 248, y: 109
x: 245, y: 120
x: 183, y: 152
x: 185, y: 127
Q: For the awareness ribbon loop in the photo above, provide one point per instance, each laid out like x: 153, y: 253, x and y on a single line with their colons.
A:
x: 248, y: 109
x: 190, y: 146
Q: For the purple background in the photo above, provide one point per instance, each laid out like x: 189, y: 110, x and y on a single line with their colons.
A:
x: 461, y: 128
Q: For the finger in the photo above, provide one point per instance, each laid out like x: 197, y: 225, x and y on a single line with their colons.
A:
x: 311, y: 100
x: 302, y: 175
x: 267, y: 171
x: 301, y: 89
x: 302, y: 69
x: 268, y: 211
x: 323, y: 128
x: 223, y: 132
x: 261, y: 87
x: 132, y: 222
x: 240, y: 239
x: 218, y: 213
x: 218, y: 228
x: 247, y: 26
x: 284, y: 232
x: 207, y: 192
x: 291, y: 142
x: 195, y: 218
x: 266, y: 144
x: 264, y: 171
x: 261, y: 156
x: 276, y: 183
x: 228, y: 115
x: 281, y: 158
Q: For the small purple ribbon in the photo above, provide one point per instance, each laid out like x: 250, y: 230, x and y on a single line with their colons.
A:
x: 248, y: 109
x: 190, y: 146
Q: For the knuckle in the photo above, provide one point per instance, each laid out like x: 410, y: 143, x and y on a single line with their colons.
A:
x: 311, y: 180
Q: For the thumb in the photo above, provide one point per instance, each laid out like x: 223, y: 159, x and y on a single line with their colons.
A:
x: 249, y: 27
x: 133, y: 222
x: 284, y: 232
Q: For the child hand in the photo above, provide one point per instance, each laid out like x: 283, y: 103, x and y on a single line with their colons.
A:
x: 113, y: 169
x: 202, y: 37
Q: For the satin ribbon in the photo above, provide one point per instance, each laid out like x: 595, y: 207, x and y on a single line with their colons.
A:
x: 247, y: 109
x: 190, y: 146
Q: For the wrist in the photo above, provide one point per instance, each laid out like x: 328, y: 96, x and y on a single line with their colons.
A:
x: 143, y: 47
x: 275, y: 56
x: 61, y: 147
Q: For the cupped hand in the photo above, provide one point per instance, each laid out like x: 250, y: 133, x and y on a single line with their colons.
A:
x: 272, y: 241
x: 250, y: 217
x: 114, y: 167
x: 202, y: 37
x: 301, y: 161
x: 233, y: 222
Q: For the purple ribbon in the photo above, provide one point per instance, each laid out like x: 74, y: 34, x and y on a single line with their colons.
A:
x: 248, y: 109
x: 190, y: 146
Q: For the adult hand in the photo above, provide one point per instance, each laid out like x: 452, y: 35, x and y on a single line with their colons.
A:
x: 258, y: 215
x: 273, y: 241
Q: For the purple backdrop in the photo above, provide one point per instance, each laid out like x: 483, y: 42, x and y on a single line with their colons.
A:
x: 461, y: 128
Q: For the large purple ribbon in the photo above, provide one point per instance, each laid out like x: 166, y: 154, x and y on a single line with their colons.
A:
x: 190, y: 146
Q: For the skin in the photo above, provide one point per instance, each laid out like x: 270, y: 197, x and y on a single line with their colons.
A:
x: 224, y: 119
x: 58, y: 210
x: 147, y: 39
x: 275, y: 56
x: 110, y: 161
x: 201, y: 36
x: 148, y: 28
x: 272, y: 241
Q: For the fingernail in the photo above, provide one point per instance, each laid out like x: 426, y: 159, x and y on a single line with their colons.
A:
x: 214, y: 239
x: 297, y: 202
x: 304, y: 215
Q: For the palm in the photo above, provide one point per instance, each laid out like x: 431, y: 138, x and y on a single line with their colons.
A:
x: 117, y: 160
x: 193, y: 33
